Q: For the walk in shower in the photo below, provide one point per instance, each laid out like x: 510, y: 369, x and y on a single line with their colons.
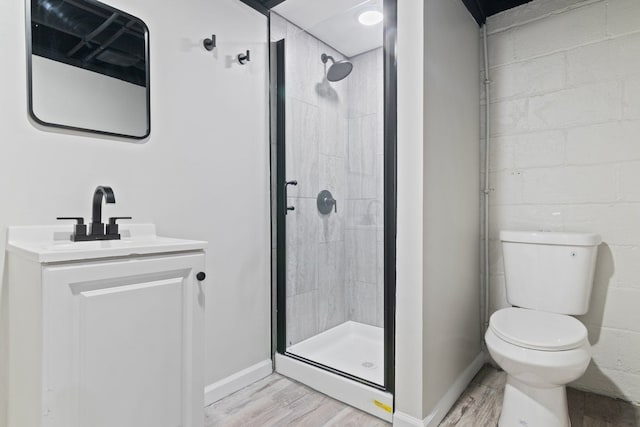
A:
x: 333, y: 159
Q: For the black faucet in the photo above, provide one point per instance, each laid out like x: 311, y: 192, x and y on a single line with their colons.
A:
x: 97, y: 227
x: 97, y: 230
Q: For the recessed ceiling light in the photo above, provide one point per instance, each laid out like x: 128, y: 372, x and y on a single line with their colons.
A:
x: 370, y: 17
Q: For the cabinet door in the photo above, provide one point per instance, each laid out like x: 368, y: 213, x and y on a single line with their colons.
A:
x: 123, y: 343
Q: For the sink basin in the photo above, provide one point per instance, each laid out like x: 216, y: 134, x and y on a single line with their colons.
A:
x: 46, y: 244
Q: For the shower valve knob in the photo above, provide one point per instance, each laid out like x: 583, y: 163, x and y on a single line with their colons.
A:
x: 326, y: 203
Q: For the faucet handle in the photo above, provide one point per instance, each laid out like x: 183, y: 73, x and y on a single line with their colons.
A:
x: 113, y: 219
x: 112, y: 227
x: 80, y: 229
x: 72, y: 218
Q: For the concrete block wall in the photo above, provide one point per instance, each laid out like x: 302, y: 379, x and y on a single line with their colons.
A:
x: 565, y: 101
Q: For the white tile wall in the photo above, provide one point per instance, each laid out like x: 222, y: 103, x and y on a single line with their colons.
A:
x: 566, y: 156
x: 302, y: 123
x: 364, y: 272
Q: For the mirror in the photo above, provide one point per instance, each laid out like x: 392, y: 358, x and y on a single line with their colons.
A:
x: 88, y: 68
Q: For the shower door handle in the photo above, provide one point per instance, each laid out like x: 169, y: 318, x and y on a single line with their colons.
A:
x: 288, y: 208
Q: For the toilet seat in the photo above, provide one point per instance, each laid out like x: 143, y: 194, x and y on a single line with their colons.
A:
x: 538, y: 330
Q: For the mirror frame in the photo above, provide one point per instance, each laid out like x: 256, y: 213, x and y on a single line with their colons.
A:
x: 29, y: 51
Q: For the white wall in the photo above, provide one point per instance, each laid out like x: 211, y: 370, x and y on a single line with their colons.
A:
x: 202, y: 174
x: 566, y: 156
x: 72, y: 96
x: 409, y: 272
x: 451, y: 197
x: 438, y: 332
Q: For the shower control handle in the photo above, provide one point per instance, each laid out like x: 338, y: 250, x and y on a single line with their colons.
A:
x: 326, y: 202
x: 286, y: 184
x: 332, y: 201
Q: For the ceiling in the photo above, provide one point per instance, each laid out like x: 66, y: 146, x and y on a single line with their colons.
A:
x: 335, y: 22
x: 480, y: 9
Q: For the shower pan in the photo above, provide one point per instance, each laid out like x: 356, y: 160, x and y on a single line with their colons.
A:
x: 334, y: 188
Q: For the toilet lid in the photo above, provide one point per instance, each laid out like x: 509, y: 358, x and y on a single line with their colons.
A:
x: 538, y: 330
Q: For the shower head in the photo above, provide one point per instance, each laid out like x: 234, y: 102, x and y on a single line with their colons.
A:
x: 338, y: 70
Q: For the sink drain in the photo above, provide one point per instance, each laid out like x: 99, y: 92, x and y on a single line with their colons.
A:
x: 368, y: 364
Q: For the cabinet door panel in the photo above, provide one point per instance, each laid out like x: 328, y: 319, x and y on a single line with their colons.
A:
x: 131, y: 335
x: 123, y: 343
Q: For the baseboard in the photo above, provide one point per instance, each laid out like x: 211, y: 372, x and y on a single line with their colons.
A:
x: 441, y: 409
x: 239, y: 380
x: 400, y: 419
x: 446, y: 403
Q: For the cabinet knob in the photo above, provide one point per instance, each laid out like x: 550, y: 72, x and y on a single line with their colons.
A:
x: 201, y: 276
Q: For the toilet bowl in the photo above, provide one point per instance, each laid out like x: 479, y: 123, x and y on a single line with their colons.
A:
x: 541, y: 347
x: 541, y: 352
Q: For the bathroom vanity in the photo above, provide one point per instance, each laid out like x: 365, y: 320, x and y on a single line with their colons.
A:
x: 105, y: 333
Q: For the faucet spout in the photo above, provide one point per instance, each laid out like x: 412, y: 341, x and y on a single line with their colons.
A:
x: 97, y: 227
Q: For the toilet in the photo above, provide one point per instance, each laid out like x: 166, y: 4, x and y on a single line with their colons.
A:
x: 549, y: 277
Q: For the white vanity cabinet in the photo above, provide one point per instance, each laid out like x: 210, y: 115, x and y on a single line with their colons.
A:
x: 106, y: 334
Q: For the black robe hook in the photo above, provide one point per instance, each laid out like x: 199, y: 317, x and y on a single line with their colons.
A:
x: 243, y: 58
x: 209, y: 44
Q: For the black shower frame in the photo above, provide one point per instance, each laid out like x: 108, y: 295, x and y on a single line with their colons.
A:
x: 390, y: 199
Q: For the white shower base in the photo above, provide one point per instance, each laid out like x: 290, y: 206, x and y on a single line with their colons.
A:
x: 353, y: 348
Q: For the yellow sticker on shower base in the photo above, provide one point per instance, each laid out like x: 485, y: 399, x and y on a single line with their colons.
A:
x: 384, y: 406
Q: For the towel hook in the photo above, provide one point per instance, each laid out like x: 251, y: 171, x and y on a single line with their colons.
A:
x: 209, y: 44
x: 243, y: 58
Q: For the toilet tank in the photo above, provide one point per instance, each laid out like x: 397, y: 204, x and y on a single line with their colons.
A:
x: 549, y: 271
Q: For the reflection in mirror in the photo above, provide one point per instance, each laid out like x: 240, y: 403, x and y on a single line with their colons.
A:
x: 89, y: 68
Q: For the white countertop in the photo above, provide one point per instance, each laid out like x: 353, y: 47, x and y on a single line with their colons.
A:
x: 46, y: 244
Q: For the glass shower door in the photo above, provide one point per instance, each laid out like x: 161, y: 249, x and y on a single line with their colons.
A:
x: 332, y: 176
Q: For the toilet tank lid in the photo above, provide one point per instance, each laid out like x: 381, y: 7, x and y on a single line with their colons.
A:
x: 551, y: 238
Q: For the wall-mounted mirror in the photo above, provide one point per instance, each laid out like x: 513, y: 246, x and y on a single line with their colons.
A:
x: 88, y: 68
